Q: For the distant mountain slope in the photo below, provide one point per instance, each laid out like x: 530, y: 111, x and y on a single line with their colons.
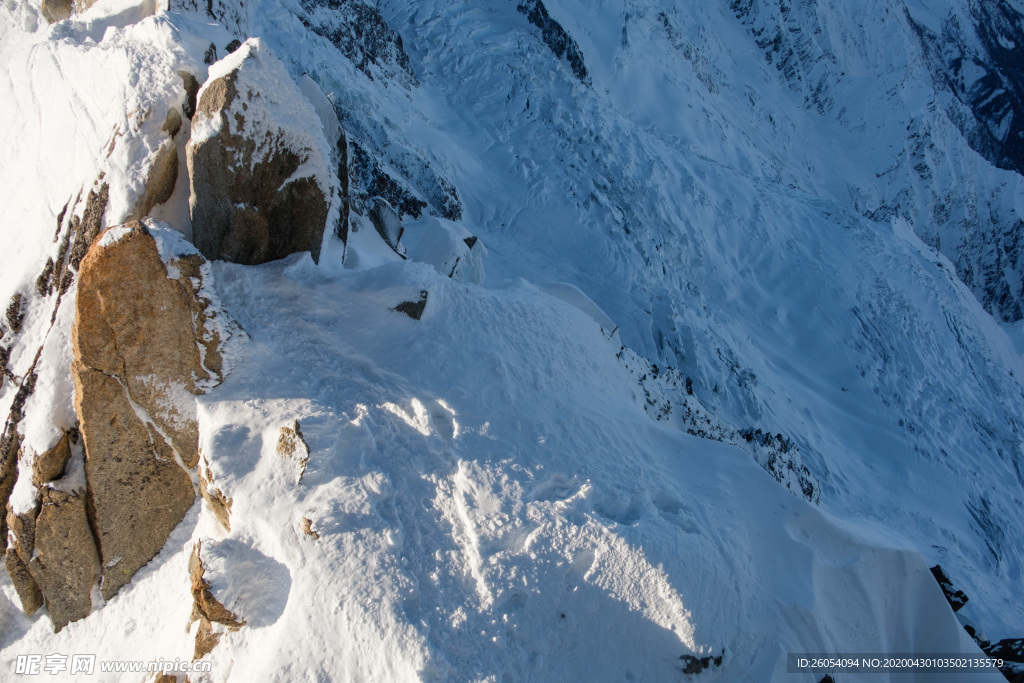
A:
x: 699, y: 242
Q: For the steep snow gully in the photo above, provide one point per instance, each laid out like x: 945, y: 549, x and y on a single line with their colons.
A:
x: 648, y: 341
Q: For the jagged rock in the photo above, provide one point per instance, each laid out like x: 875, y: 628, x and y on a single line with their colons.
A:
x: 250, y: 136
x: 28, y: 591
x: 369, y: 180
x: 10, y: 442
x: 307, y: 528
x: 87, y: 228
x: 65, y: 562
x: 22, y: 532
x: 50, y: 464
x: 139, y: 493
x: 219, y: 503
x: 234, y: 16
x: 206, y: 608
x: 555, y: 37
x: 160, y: 180
x: 956, y: 598
x: 360, y: 32
x: 21, y: 542
x: 163, y: 173
x: 695, y: 665
x: 387, y: 224
x: 414, y: 309
x: 55, y: 10
x: 14, y: 313
x: 137, y: 338
x: 44, y: 283
x: 292, y: 445
x: 52, y: 557
x: 192, y: 89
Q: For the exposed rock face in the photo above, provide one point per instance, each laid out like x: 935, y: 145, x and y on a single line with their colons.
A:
x: 55, y: 10
x: 87, y: 228
x: 66, y: 563
x: 163, y: 174
x: 359, y: 31
x: 556, y: 37
x: 28, y: 591
x: 52, y: 557
x: 210, y: 613
x: 219, y: 503
x: 139, y: 340
x: 291, y: 445
x: 956, y: 598
x: 250, y: 202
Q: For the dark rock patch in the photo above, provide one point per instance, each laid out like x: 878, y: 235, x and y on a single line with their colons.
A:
x: 556, y: 37
x: 246, y: 205
x: 414, y: 309
x: 956, y: 598
x: 360, y: 33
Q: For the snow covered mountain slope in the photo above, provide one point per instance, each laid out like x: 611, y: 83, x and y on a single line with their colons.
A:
x: 773, y: 199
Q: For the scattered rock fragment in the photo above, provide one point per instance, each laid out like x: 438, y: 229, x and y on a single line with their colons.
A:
x: 307, y: 528
x: 14, y: 314
x: 694, y: 665
x: 291, y: 444
x: 219, y: 503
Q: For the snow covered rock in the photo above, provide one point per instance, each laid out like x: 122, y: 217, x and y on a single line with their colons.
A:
x: 451, y: 249
x: 143, y: 346
x: 163, y: 173
x: 258, y: 161
x: 52, y: 557
x: 388, y: 224
x: 211, y: 614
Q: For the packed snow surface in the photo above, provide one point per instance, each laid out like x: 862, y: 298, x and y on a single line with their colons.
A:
x: 487, y: 495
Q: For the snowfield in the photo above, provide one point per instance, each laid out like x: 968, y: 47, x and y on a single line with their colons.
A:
x: 490, y: 492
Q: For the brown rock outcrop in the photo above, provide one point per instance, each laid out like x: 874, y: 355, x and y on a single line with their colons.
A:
x: 55, y: 10
x: 163, y: 173
x: 291, y: 444
x: 137, y: 341
x: 219, y: 503
x: 65, y: 564
x: 213, y: 617
x: 28, y: 591
x: 52, y: 556
x: 248, y: 205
